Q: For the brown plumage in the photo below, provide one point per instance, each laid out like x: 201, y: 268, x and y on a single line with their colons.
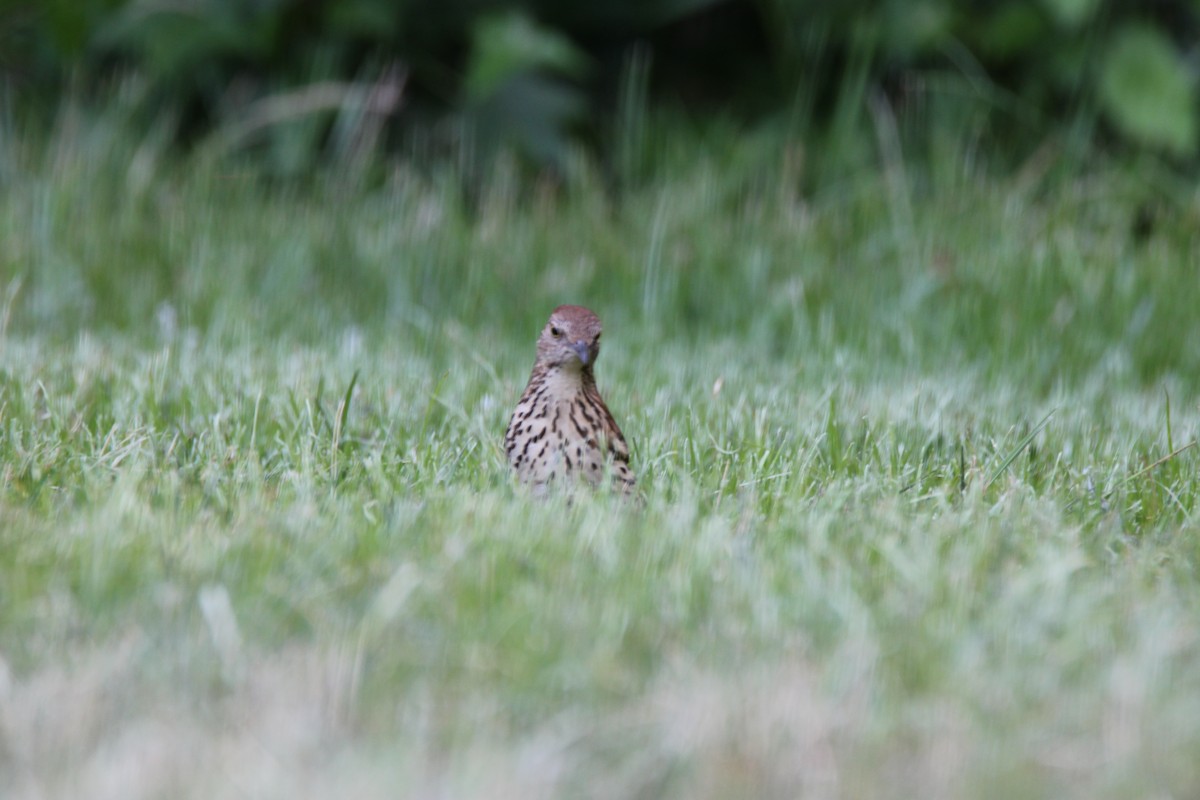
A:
x: 561, y: 429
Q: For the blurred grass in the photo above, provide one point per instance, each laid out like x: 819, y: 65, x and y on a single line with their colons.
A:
x: 861, y: 569
x: 1045, y: 270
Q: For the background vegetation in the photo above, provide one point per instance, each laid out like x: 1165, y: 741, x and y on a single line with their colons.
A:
x: 293, y: 80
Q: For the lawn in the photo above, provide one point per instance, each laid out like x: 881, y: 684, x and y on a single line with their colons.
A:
x: 913, y: 441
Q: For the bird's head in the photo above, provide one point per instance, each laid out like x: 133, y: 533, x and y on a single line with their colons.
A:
x: 570, y: 340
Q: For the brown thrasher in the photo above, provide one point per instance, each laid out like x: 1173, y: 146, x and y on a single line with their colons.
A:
x: 561, y: 428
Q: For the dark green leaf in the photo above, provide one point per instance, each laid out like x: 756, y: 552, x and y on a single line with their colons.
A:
x: 503, y: 46
x: 1146, y: 91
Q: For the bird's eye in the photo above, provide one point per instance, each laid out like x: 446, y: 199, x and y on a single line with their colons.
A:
x: 555, y: 332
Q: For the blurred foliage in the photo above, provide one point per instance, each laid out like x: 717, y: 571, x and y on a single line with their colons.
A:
x: 1147, y: 90
x: 537, y: 77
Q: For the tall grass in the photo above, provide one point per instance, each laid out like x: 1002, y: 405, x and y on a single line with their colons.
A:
x: 908, y: 526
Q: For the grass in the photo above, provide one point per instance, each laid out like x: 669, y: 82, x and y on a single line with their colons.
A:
x: 908, y: 527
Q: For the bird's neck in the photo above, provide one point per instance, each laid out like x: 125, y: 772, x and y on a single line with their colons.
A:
x: 566, y: 380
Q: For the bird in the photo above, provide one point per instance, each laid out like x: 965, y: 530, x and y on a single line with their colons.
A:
x: 561, y: 430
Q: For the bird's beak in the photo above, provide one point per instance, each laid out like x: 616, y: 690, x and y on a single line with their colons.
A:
x: 581, y: 350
